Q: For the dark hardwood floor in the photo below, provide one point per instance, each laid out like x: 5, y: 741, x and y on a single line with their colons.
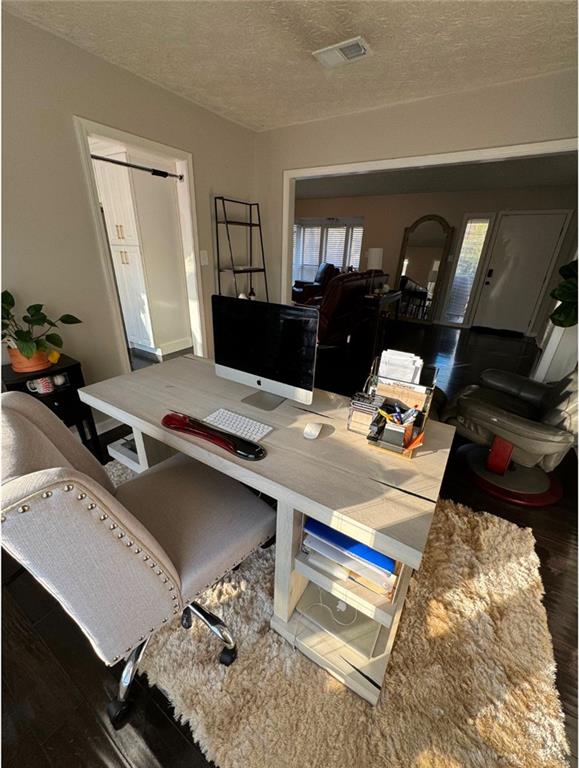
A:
x: 55, y: 689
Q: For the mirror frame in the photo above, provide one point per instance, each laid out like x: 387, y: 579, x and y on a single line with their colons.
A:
x: 449, y: 234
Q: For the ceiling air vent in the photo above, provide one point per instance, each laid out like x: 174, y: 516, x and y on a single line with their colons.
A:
x: 342, y: 53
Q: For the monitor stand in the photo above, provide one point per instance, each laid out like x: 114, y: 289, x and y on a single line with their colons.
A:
x: 264, y: 400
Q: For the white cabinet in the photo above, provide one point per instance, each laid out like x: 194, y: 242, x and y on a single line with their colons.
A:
x: 130, y: 277
x: 116, y: 196
x: 141, y: 214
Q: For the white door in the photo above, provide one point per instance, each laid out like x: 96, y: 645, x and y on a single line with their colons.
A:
x: 522, y: 255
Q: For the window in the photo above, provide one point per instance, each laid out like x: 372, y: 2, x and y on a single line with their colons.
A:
x: 336, y: 241
x: 471, y: 249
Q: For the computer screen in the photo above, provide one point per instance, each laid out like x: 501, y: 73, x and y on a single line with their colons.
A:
x: 268, y: 346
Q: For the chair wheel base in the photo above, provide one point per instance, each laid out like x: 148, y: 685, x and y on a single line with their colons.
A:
x: 228, y: 656
x: 119, y: 713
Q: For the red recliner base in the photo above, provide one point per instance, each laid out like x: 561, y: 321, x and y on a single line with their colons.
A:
x: 526, y: 486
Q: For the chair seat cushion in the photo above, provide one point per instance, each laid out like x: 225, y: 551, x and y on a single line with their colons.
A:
x: 205, y: 521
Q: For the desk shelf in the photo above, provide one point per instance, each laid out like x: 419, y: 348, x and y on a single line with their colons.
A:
x: 377, y: 607
x: 363, y: 676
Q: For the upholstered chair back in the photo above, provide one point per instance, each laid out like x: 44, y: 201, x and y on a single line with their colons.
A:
x: 33, y: 438
x: 61, y: 520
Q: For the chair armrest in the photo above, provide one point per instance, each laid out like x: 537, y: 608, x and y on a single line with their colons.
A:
x: 302, y: 283
x: 102, y: 565
x: 513, y: 384
x: 524, y: 433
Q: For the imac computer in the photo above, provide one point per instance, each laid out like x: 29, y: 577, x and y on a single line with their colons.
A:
x: 271, y: 347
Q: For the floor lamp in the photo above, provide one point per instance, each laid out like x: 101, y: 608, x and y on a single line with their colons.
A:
x: 374, y: 260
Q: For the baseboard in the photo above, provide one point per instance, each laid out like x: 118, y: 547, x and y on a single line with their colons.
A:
x: 144, y: 348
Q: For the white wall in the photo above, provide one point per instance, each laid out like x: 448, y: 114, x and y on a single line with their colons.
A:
x: 539, y: 109
x: 49, y: 242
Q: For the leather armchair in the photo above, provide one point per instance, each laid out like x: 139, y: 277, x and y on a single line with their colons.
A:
x: 304, y: 291
x: 531, y: 424
x: 122, y: 562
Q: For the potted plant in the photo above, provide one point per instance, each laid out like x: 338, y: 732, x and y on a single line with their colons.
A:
x: 32, y: 342
x: 565, y: 315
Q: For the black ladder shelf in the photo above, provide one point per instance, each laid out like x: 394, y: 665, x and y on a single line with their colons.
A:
x: 252, y: 221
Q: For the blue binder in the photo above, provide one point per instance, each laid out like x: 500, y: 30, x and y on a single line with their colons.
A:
x: 351, y: 546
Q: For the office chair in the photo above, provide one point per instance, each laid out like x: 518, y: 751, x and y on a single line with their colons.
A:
x: 521, y: 430
x: 122, y: 562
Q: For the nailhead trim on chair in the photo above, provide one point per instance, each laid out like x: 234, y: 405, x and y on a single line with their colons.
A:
x: 112, y: 526
x: 137, y: 550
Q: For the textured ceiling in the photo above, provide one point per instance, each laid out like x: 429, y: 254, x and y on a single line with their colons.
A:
x: 555, y: 170
x: 251, y: 61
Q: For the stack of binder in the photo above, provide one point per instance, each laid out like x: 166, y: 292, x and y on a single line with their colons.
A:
x: 345, y: 558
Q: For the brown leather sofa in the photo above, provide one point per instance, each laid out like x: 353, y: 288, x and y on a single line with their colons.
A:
x: 304, y: 291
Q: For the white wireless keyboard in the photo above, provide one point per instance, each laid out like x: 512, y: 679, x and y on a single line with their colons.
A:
x: 238, y: 425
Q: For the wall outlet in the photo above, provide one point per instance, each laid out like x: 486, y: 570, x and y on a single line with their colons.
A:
x: 204, y: 258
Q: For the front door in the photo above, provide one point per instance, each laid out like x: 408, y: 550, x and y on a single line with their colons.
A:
x: 522, y: 255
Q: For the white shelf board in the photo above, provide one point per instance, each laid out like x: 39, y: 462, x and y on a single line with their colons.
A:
x: 377, y: 607
x: 119, y: 451
x: 326, y: 651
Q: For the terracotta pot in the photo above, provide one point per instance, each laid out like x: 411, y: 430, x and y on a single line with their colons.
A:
x: 38, y: 362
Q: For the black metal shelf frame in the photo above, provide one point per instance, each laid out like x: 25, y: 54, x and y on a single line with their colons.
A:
x: 253, y: 222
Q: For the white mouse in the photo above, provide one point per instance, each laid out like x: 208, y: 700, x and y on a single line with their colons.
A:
x: 312, y: 430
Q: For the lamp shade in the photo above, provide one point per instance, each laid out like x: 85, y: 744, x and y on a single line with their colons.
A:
x: 374, y: 258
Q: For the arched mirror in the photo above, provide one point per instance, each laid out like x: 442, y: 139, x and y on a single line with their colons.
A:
x: 423, y: 255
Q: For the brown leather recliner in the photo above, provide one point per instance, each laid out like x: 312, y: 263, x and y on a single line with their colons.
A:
x: 342, y: 309
x: 304, y: 291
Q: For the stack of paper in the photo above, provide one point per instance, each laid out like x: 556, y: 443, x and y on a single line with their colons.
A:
x: 344, y: 558
x: 402, y: 366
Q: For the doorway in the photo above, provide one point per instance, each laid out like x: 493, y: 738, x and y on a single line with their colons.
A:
x: 142, y: 195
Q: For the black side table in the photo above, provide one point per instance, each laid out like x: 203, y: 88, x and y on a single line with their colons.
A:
x: 64, y: 400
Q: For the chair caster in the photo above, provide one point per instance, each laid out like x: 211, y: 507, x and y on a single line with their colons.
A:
x: 187, y: 618
x: 228, y: 656
x: 119, y: 713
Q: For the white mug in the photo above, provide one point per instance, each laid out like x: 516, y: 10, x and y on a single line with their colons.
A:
x: 41, y: 386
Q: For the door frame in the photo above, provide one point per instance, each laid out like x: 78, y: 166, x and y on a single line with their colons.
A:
x: 290, y: 176
x: 449, y: 277
x: 187, y: 215
x: 550, y: 267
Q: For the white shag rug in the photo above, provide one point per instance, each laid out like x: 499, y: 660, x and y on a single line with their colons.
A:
x: 470, y: 683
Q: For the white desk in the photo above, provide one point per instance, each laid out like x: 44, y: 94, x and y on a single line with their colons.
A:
x: 379, y: 498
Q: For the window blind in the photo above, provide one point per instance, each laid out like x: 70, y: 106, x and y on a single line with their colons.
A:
x: 335, y: 241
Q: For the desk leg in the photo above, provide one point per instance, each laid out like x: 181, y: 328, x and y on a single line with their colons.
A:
x: 289, y: 584
x: 151, y: 451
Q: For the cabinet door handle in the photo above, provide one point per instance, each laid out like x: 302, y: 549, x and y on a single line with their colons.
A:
x: 118, y: 231
x: 126, y: 257
x: 122, y: 232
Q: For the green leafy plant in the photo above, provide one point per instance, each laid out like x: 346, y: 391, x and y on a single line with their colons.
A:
x: 565, y: 314
x: 35, y: 331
